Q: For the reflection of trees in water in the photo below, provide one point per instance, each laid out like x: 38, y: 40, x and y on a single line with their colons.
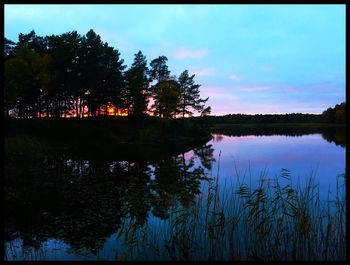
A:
x: 205, y: 154
x: 82, y: 200
x: 138, y: 194
x: 176, y: 180
x: 336, y: 135
x: 49, y: 199
x: 218, y: 137
x: 331, y: 134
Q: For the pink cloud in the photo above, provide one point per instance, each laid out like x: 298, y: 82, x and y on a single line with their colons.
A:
x: 186, y: 53
x: 217, y: 92
x: 253, y: 88
x: 234, y: 77
x: 203, y: 72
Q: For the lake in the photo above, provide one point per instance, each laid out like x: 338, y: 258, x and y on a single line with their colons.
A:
x: 71, y: 203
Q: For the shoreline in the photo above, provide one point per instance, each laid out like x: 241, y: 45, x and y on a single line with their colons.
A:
x: 278, y: 125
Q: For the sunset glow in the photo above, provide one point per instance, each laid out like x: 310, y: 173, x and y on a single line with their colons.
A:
x: 110, y: 112
x: 256, y: 58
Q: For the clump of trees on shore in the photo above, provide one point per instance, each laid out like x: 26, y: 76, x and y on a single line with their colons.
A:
x: 72, y: 75
x: 336, y: 114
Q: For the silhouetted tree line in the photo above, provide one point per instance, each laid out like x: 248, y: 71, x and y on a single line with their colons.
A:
x: 336, y: 114
x: 331, y: 115
x: 69, y: 74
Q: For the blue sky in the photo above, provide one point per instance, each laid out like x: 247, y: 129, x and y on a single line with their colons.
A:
x: 247, y: 58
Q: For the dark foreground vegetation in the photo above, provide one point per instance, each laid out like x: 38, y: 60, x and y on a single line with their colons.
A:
x: 276, y: 221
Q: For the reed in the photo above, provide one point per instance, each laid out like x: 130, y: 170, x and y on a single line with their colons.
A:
x: 277, y: 220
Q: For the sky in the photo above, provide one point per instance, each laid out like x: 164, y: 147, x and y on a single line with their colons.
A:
x: 249, y: 59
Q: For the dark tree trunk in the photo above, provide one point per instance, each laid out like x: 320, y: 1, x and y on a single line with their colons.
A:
x: 7, y: 111
x: 76, y: 108
x: 65, y: 108
x: 81, y: 106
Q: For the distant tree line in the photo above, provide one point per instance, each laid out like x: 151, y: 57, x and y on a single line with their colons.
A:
x: 72, y: 75
x: 334, y: 134
x: 331, y: 115
x: 336, y: 114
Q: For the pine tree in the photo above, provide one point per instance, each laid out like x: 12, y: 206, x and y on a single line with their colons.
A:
x: 137, y: 83
x: 190, y: 97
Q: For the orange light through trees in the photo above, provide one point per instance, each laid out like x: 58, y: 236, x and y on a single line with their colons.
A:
x: 110, y: 112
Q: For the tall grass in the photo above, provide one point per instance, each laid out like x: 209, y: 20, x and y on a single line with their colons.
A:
x: 277, y: 220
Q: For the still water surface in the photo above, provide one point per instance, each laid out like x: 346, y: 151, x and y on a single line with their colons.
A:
x: 69, y: 205
x: 254, y: 156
